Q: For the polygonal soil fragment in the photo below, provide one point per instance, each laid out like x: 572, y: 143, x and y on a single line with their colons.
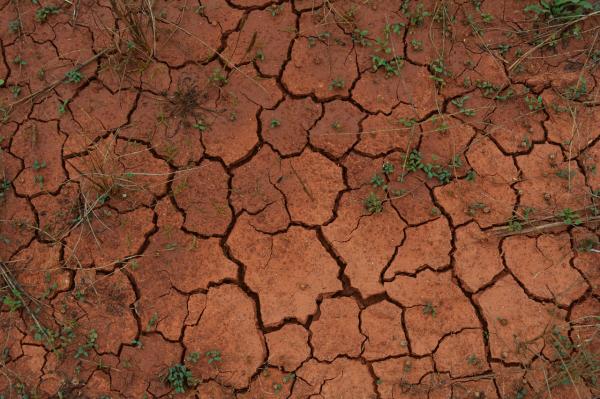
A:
x: 338, y: 129
x: 253, y: 190
x: 341, y: 379
x: 516, y: 323
x: 336, y: 331
x: 202, y: 194
x: 383, y: 133
x: 38, y: 270
x: 445, y: 141
x: 382, y: 325
x: 322, y: 67
x: 286, y: 127
x: 270, y: 382
x: 548, y: 183
x: 436, y: 307
x: 16, y: 223
x: 351, y: 236
x: 377, y: 92
x: 183, y: 34
x: 289, y: 271
x: 400, y: 377
x: 585, y: 260
x: 141, y: 370
x: 39, y: 145
x: 102, y: 303
x: 542, y: 264
x: 228, y: 325
x: 264, y: 37
x: 95, y: 111
x: 485, y: 200
x: 462, y: 354
x: 311, y: 184
x: 122, y: 173
x: 103, y: 236
x: 186, y: 262
x: 288, y: 346
x: 425, y: 245
x: 213, y: 390
x: 487, y: 160
x: 477, y: 258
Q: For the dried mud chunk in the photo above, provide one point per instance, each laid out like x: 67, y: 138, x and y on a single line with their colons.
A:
x: 286, y: 127
x: 512, y: 125
x: 264, y: 38
x: 104, y: 306
x: 27, y: 368
x: 289, y: 271
x: 213, y: 390
x: 462, y: 354
x: 336, y: 331
x: 107, y: 237
x: 316, y: 66
x: 96, y: 110
x: 548, y: 184
x: 382, y: 325
x: 475, y: 389
x: 311, y: 184
x: 288, y: 346
x: 246, y: 82
x: 445, y: 141
x: 124, y: 174
x: 57, y: 213
x: 487, y: 160
x: 38, y: 270
x: 436, y: 307
x: 477, y: 258
x: 140, y: 368
x: 228, y: 325
x: 425, y: 245
x: 586, y: 261
x: 412, y: 199
x: 17, y: 223
x: 203, y: 197
x: 383, y: 133
x: 516, y: 324
x: 232, y: 136
x: 377, y: 92
x: 485, y: 200
x: 39, y: 145
x: 270, y: 382
x: 177, y: 44
x: 542, y: 264
x: 400, y: 377
x: 338, y: 129
x: 351, y: 236
x: 341, y: 379
x: 188, y: 263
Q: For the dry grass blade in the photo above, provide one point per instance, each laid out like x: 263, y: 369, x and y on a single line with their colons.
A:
x: 138, y: 18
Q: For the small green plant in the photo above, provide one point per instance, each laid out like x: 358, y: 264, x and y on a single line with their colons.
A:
x: 360, y: 37
x: 90, y: 344
x: 14, y: 26
x: 62, y: 106
x: 460, y: 104
x: 578, y: 90
x: 275, y: 123
x: 14, y: 300
x: 417, y: 17
x: 416, y: 45
x: 565, y: 174
x: 377, y: 181
x: 180, y: 378
x: 562, y: 10
x: 438, y: 71
x: 473, y: 360
x: 42, y: 14
x: 218, y: 78
x: 73, y: 76
x: 534, y: 103
x: 429, y: 309
x: 471, y: 175
x: 391, y: 67
x: 337, y: 84
x: 200, y: 125
x: 588, y: 244
x: 4, y: 187
x: 15, y: 90
x: 336, y: 125
x: 37, y: 165
x: 373, y: 204
x: 19, y: 61
x: 213, y: 356
x: 570, y: 217
x: 388, y: 168
x: 193, y: 357
x: 275, y: 10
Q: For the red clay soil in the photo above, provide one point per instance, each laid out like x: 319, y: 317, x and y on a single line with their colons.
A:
x: 349, y: 199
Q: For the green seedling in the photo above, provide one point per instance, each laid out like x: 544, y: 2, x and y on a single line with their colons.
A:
x: 213, y: 356
x: 336, y: 84
x: 73, y: 76
x: 42, y: 14
x: 180, y: 378
x: 373, y: 204
x: 275, y: 123
x: 570, y: 217
x: 534, y: 103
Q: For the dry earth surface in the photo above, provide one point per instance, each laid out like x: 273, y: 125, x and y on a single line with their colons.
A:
x: 252, y: 199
